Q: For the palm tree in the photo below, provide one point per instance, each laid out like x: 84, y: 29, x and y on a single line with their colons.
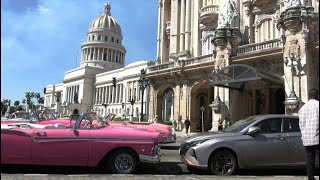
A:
x: 28, y: 97
x: 16, y: 104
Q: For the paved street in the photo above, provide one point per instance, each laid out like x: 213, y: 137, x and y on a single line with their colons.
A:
x: 170, y: 168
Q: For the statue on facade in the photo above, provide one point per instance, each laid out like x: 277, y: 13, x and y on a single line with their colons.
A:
x: 290, y: 3
x: 228, y: 16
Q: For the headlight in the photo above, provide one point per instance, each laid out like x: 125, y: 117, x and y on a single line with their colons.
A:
x: 198, y: 142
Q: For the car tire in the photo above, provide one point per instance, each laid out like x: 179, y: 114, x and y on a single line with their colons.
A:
x: 223, y: 162
x: 123, y: 161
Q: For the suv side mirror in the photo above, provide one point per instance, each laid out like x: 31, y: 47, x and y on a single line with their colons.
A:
x: 253, y: 130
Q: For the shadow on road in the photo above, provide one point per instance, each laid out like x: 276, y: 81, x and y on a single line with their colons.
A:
x: 164, y: 168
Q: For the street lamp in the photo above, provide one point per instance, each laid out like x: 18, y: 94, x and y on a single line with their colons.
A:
x: 105, y: 108
x: 143, y: 85
x: 292, y: 101
x: 202, y: 124
x: 132, y: 101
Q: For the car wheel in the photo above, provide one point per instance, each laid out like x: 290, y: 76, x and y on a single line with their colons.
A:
x: 223, y: 163
x: 123, y: 162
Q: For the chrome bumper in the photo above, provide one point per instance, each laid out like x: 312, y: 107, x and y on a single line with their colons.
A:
x: 150, y: 159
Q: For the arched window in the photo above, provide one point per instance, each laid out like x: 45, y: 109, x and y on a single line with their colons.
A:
x: 112, y: 39
x: 106, y: 38
x: 117, y: 41
x: 99, y: 38
x: 92, y: 37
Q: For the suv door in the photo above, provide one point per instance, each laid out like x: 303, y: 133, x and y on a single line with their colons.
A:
x: 295, y: 147
x: 270, y: 145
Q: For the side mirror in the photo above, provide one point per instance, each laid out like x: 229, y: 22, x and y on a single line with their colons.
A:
x: 253, y: 130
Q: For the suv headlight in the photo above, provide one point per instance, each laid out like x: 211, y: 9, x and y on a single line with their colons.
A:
x: 198, y: 142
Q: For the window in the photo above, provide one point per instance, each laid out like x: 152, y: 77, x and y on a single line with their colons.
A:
x: 270, y: 126
x: 293, y: 125
x: 104, y: 56
x: 99, y: 38
x: 93, y: 38
x: 106, y: 38
x: 117, y: 41
x: 112, y: 39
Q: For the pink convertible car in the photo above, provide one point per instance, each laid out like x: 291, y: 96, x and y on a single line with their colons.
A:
x: 166, y: 133
x: 90, y: 142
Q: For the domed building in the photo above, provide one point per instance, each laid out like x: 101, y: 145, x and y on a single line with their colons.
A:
x: 101, y: 83
x: 103, y: 46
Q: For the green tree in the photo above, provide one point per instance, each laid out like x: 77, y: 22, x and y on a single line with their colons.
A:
x: 16, y: 104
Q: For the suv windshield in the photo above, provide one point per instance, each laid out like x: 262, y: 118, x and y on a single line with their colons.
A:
x: 240, y: 125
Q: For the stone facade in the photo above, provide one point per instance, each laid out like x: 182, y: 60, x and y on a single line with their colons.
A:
x: 234, y: 58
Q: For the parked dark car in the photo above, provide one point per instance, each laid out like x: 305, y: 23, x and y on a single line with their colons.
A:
x: 254, y: 142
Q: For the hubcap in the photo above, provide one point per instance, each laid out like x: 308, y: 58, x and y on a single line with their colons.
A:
x: 222, y: 163
x: 124, y: 163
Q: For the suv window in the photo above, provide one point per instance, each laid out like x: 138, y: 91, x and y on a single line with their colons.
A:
x: 270, y: 126
x: 293, y: 125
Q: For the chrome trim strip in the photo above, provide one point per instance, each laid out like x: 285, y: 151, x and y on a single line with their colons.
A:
x: 39, y: 139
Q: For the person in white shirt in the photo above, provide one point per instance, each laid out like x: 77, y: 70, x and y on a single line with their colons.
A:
x: 309, y: 126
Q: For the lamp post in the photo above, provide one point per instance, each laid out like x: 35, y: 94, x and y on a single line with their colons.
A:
x: 202, y: 124
x: 143, y: 85
x: 132, y: 101
x: 105, y: 108
x: 292, y: 101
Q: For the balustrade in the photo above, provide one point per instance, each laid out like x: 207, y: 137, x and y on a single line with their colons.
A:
x: 259, y: 46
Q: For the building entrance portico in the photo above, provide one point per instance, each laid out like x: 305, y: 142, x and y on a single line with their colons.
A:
x: 251, y: 91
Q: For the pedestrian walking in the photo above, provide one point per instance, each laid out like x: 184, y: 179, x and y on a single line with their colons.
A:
x: 309, y: 126
x: 187, y: 125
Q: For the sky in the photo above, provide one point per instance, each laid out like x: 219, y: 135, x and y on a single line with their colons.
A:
x: 41, y: 39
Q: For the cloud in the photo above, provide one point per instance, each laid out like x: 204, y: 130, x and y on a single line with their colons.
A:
x: 43, y: 10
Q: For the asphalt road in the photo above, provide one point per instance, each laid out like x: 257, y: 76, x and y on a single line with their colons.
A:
x: 170, y: 168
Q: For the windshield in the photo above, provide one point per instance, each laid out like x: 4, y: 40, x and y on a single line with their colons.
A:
x: 109, y: 117
x: 46, y: 116
x: 240, y: 125
x: 90, y: 121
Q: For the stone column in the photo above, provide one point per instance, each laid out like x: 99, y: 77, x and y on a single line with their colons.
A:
x: 152, y: 101
x: 188, y: 25
x: 299, y: 24
x: 174, y: 27
x: 182, y: 25
x: 160, y: 6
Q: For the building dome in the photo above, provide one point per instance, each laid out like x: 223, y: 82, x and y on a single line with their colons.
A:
x: 105, y: 21
x: 103, y: 47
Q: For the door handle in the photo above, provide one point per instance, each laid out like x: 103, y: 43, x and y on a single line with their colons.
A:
x: 40, y: 133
